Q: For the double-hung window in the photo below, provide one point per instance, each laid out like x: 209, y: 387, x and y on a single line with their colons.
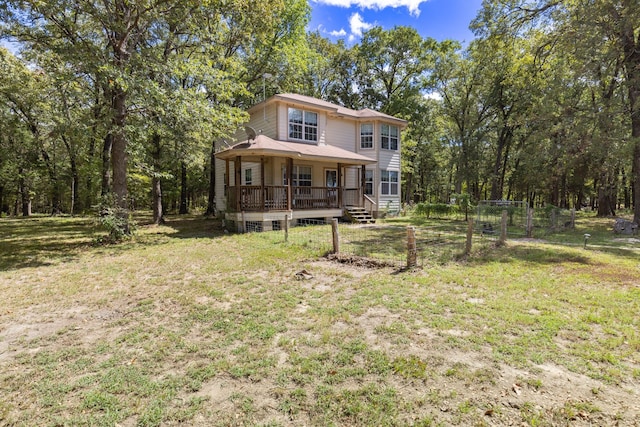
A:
x: 366, y: 135
x: 389, y: 182
x: 303, y: 125
x: 389, y: 137
x: 248, y: 175
x: 368, y: 182
x: 301, y: 176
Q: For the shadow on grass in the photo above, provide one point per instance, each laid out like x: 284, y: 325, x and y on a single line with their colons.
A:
x: 547, y: 254
x: 42, y: 241
x: 184, y: 226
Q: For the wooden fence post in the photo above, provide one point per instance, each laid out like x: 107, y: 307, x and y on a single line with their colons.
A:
x: 336, y: 238
x: 286, y: 228
x: 529, y: 222
x: 467, y: 249
x: 412, y: 252
x: 503, y: 228
x: 573, y: 219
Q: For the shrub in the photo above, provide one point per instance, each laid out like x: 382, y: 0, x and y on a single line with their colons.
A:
x: 115, y: 219
x: 438, y: 210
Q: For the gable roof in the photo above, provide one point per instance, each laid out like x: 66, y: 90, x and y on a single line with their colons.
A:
x: 262, y: 145
x: 334, y: 109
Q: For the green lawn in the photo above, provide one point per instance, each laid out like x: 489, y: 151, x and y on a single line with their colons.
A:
x: 186, y: 324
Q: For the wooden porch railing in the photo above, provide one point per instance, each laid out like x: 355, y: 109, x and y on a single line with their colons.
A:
x: 254, y: 198
x: 315, y: 197
x: 352, y: 196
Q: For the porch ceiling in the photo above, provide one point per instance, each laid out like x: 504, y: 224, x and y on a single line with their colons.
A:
x: 268, y: 147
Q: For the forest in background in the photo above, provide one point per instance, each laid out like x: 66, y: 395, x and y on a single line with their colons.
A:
x: 120, y: 102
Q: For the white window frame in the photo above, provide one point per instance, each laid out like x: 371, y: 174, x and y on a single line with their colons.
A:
x: 302, y: 126
x: 389, y: 137
x: 248, y: 176
x: 295, y: 176
x: 389, y: 182
x: 369, y: 180
x: 366, y: 138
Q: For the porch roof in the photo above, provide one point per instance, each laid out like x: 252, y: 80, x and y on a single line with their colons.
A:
x: 262, y: 145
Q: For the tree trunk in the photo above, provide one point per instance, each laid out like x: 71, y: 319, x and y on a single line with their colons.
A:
x: 408, y: 189
x: 606, y: 197
x: 183, y: 189
x: 106, y: 164
x: 631, y: 47
x: 24, y: 195
x: 211, y: 202
x: 74, y: 176
x: 119, y: 149
x: 497, y: 183
x: 158, y: 215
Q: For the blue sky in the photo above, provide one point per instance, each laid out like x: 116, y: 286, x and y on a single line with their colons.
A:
x: 439, y: 19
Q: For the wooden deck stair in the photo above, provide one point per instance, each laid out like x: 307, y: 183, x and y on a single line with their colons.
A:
x: 359, y: 215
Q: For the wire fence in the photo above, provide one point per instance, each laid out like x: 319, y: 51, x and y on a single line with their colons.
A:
x: 385, y: 244
x: 522, y: 221
x: 379, y: 244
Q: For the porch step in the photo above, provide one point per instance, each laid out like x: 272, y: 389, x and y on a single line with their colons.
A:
x: 359, y: 215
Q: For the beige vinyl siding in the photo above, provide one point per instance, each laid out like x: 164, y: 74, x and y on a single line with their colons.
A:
x: 341, y: 133
x: 264, y: 122
x: 220, y: 171
x: 387, y: 160
x: 352, y: 177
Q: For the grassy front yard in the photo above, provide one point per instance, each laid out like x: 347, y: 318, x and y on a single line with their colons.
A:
x: 190, y: 325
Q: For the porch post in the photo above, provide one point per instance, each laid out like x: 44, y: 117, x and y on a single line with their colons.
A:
x: 262, y: 198
x: 289, y: 184
x: 363, y: 182
x: 226, y: 182
x: 238, y: 181
x: 340, y: 185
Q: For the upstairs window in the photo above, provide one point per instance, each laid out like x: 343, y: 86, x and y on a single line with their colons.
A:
x: 389, y: 137
x: 366, y: 135
x: 303, y: 125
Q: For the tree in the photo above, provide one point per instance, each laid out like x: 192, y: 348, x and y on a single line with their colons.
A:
x: 611, y: 28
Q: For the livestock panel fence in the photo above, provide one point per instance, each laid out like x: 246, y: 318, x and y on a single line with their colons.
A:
x: 396, y: 245
x: 522, y: 220
x: 381, y: 244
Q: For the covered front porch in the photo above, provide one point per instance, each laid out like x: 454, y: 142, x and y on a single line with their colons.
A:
x: 267, y: 181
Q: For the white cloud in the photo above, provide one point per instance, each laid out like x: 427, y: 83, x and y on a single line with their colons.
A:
x: 412, y: 5
x: 340, y: 33
x: 358, y: 25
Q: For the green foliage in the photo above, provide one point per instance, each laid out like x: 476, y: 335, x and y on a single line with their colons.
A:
x: 115, y: 219
x: 435, y: 210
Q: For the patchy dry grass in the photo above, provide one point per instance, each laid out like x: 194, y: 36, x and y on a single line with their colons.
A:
x: 188, y: 325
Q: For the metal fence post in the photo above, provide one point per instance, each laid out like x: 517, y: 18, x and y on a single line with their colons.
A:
x: 412, y: 252
x: 336, y: 238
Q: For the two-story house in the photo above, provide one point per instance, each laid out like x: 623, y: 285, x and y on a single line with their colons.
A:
x: 301, y: 157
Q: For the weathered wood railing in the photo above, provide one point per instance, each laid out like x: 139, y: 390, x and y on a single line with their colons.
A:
x: 315, y: 197
x: 255, y: 198
x: 352, y: 197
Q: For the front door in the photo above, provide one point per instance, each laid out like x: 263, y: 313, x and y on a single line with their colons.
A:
x: 331, y: 182
x: 331, y: 178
